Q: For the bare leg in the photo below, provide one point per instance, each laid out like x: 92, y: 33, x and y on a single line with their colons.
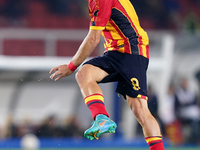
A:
x: 149, y: 124
x: 87, y: 78
x: 140, y: 109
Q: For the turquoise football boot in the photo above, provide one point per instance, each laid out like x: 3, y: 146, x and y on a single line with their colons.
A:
x: 101, y: 125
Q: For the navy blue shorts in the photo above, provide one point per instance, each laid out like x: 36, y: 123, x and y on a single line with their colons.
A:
x: 126, y: 69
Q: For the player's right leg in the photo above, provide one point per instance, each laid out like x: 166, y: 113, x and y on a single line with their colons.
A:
x: 87, y: 78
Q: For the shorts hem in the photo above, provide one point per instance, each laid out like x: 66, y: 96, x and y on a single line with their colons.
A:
x: 142, y: 96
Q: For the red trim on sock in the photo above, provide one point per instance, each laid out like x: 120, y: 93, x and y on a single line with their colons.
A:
x: 156, y: 144
x: 93, y: 101
x: 93, y: 95
x: 153, y: 137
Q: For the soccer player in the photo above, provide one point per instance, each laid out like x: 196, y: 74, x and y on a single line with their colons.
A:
x: 125, y: 60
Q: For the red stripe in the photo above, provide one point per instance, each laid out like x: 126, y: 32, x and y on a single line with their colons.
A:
x: 153, y: 137
x: 154, y: 141
x: 107, y: 35
x: 144, y: 97
x: 117, y: 29
x: 95, y: 100
x: 139, y: 45
x: 93, y: 95
x: 114, y: 43
x: 127, y: 46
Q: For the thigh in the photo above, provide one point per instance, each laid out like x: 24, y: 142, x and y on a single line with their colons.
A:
x: 101, y: 70
x: 93, y: 73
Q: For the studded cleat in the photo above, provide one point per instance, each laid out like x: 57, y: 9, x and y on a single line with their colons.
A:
x: 101, y: 125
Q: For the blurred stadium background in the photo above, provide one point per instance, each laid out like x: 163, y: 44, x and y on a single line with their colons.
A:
x: 36, y: 35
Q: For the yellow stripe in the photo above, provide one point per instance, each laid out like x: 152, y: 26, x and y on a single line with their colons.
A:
x: 115, y: 36
x: 144, y: 50
x: 107, y: 44
x: 113, y: 31
x: 153, y: 139
x: 94, y: 97
x: 132, y: 14
x: 129, y: 10
x: 96, y: 28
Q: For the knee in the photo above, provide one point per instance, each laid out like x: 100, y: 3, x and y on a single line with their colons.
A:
x: 82, y: 76
x: 79, y: 76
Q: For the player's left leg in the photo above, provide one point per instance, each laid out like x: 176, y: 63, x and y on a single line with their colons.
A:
x: 87, y: 78
x: 149, y: 124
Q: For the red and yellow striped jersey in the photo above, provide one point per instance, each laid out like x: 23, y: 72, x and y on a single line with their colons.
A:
x: 121, y: 28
